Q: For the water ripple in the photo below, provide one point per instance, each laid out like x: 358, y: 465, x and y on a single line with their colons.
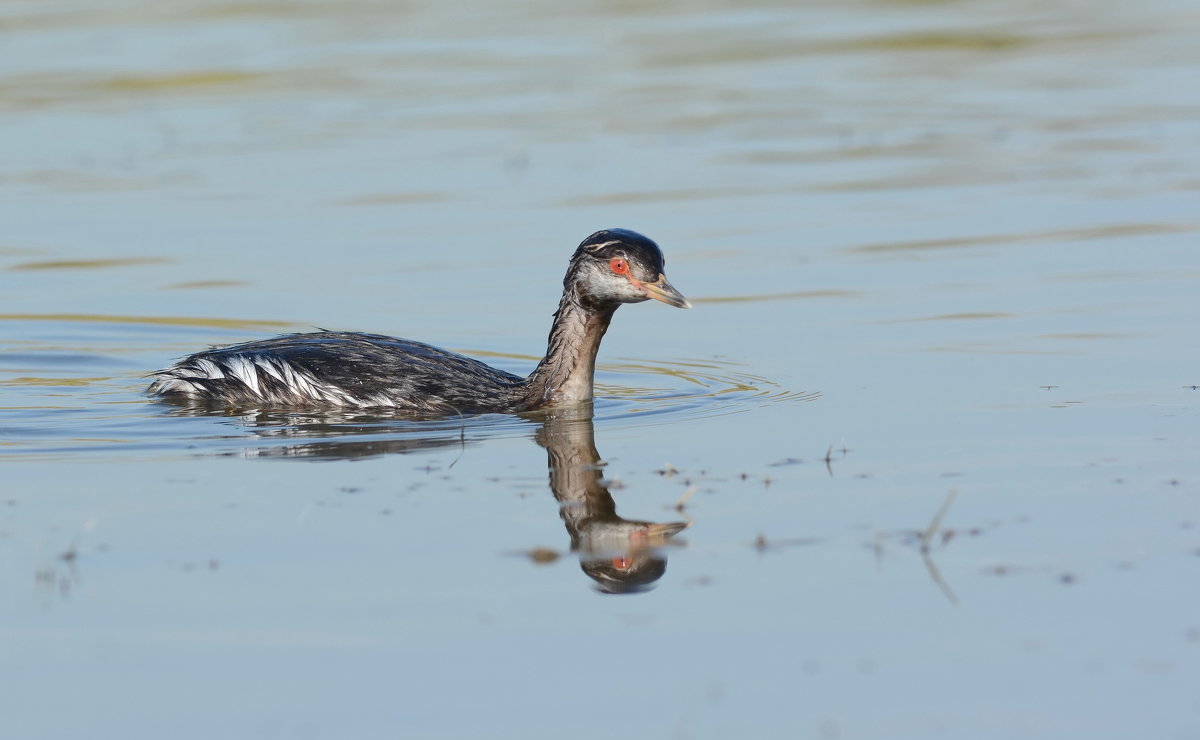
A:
x: 635, y: 393
x: 72, y: 404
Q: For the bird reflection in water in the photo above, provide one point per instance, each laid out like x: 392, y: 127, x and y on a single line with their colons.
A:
x: 620, y: 555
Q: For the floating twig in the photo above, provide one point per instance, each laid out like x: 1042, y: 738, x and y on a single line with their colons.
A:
x: 680, y: 505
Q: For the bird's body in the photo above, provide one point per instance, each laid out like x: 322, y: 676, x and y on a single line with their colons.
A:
x: 354, y: 370
x: 343, y: 369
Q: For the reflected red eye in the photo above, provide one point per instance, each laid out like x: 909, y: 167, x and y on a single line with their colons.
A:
x: 619, y: 266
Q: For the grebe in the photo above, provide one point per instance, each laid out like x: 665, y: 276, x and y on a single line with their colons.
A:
x: 355, y: 370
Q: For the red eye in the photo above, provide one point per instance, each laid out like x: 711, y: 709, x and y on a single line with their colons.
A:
x: 619, y: 266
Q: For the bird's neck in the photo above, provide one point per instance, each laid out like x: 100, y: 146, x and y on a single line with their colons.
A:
x: 567, y: 371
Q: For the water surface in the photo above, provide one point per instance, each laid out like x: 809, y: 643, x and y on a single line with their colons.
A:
x: 921, y: 462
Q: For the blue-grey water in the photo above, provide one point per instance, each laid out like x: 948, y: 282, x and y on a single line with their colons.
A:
x: 933, y: 423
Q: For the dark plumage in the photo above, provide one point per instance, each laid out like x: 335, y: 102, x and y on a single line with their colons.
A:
x: 345, y: 369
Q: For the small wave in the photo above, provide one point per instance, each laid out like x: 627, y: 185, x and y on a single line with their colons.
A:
x: 632, y: 392
x: 629, y: 394
x: 48, y: 379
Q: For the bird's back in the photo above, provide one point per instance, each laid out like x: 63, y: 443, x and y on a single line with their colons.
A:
x: 338, y: 369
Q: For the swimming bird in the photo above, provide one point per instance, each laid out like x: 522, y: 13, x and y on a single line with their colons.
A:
x: 356, y: 370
